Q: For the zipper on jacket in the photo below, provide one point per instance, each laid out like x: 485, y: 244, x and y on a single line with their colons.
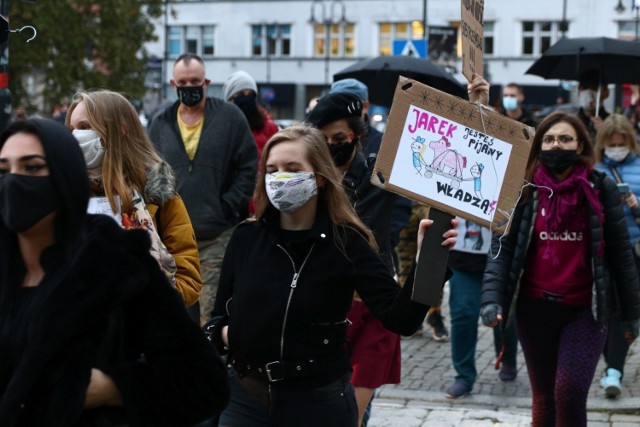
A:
x: 293, y: 286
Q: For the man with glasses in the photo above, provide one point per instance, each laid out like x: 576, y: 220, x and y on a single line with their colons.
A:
x: 208, y: 143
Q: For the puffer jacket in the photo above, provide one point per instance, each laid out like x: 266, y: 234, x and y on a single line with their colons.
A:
x: 629, y: 170
x: 503, y: 275
x: 175, y: 230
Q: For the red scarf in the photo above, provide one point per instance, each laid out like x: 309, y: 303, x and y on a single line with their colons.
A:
x: 568, y: 200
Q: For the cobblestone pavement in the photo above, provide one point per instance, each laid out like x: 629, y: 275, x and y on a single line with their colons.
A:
x: 427, y: 371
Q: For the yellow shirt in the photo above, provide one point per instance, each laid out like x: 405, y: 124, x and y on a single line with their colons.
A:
x: 190, y: 135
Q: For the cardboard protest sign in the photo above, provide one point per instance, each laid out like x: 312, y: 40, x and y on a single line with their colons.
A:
x: 453, y: 155
x: 472, y: 37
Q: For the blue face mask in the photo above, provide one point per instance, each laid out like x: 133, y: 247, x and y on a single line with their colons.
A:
x: 510, y: 103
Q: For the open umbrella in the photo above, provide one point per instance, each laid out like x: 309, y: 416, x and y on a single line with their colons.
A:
x: 380, y: 75
x: 616, y: 61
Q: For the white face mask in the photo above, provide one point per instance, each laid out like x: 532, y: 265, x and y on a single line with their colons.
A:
x: 587, y: 99
x: 91, y: 147
x: 617, y: 154
x: 288, y: 191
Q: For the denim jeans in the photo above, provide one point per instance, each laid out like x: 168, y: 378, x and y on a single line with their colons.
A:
x: 293, y: 405
x: 464, y: 308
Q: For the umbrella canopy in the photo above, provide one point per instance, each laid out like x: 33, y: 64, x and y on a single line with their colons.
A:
x: 615, y: 61
x: 380, y: 75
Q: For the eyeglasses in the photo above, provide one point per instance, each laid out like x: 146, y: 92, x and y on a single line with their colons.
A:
x: 562, y: 139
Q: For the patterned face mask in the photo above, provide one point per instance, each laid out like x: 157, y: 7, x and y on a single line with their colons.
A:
x: 288, y: 191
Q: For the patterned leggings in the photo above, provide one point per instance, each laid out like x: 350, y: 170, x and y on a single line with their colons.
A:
x: 561, y: 346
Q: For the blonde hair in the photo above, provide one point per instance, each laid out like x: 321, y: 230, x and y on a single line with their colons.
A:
x: 615, y: 124
x: 129, y: 152
x: 331, y: 197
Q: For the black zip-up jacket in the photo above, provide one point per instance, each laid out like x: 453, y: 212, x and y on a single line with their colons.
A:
x: 503, y: 275
x: 279, y: 310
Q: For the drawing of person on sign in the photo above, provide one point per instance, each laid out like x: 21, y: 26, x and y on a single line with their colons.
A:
x: 463, y: 167
x: 418, y: 148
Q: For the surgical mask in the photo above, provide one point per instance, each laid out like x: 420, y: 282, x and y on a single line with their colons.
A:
x: 288, y: 191
x: 587, y: 99
x: 617, y: 154
x: 510, y: 103
x: 558, y: 161
x: 190, y: 95
x: 25, y: 200
x: 247, y: 103
x: 91, y: 147
x: 341, y: 153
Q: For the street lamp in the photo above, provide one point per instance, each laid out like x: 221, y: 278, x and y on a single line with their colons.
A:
x: 328, y: 17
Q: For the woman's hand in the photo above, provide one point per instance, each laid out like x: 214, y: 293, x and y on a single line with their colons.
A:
x: 491, y: 314
x: 102, y: 391
x: 632, y: 201
x: 450, y: 236
x: 478, y: 90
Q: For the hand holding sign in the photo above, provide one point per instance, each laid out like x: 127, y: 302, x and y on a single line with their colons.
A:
x: 458, y: 157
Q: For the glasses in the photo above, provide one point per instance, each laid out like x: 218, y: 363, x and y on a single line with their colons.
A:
x: 561, y: 139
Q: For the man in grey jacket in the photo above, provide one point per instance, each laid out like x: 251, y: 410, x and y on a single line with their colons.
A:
x: 209, y: 145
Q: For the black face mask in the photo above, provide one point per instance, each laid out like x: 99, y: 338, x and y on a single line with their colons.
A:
x: 247, y: 103
x: 558, y: 161
x: 190, y: 95
x: 25, y: 200
x: 341, y: 153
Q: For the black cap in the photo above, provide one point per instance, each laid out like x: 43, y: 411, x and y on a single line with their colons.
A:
x: 334, y: 106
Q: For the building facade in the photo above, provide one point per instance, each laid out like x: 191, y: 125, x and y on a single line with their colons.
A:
x: 293, y: 48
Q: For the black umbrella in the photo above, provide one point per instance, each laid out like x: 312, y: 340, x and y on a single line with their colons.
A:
x: 381, y: 74
x: 615, y: 61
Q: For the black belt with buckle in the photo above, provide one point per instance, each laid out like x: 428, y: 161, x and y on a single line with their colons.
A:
x: 279, y: 370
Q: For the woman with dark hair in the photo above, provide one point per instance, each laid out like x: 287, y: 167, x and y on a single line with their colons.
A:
x: 91, y: 332
x: 287, y: 283
x: 553, y: 271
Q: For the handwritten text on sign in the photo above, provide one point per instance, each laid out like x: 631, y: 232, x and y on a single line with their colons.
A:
x: 451, y: 163
x: 472, y: 37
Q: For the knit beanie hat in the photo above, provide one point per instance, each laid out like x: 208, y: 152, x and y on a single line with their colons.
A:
x: 236, y: 82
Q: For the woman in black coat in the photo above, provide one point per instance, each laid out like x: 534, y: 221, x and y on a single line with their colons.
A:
x: 564, y: 265
x: 286, y: 285
x: 91, y: 332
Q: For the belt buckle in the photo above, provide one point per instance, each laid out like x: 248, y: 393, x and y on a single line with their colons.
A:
x: 269, y: 367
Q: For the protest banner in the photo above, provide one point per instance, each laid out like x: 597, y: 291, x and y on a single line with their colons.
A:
x: 455, y: 156
x: 472, y: 28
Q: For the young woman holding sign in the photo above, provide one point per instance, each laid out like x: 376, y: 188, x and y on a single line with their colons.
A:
x: 562, y: 264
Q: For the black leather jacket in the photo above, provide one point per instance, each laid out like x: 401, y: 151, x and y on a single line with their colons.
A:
x: 502, y: 277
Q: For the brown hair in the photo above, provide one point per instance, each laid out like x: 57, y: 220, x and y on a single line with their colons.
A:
x: 615, y: 124
x: 129, y: 152
x: 331, y: 196
x: 586, y: 157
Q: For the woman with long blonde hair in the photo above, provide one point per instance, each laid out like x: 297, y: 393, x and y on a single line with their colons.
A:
x: 125, y: 169
x: 286, y: 285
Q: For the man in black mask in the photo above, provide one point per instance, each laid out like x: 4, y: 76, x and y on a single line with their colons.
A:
x: 339, y: 117
x: 209, y: 145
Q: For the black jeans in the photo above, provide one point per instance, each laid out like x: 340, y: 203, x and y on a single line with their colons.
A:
x: 292, y: 405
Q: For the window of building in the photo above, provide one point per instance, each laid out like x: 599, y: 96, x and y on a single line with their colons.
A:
x: 271, y: 40
x: 488, y: 37
x: 628, y: 30
x: 340, y: 36
x: 190, y: 39
x: 538, y: 36
x: 392, y: 31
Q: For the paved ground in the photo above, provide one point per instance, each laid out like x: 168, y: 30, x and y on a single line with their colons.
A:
x: 427, y: 371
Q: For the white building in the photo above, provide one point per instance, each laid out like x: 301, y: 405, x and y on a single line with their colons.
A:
x: 283, y: 44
